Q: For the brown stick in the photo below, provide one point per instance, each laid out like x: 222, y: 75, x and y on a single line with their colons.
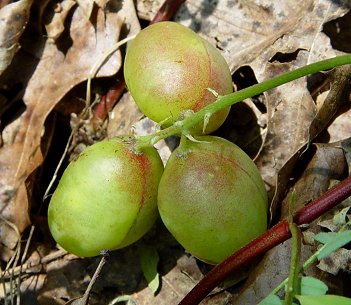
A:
x: 274, y: 236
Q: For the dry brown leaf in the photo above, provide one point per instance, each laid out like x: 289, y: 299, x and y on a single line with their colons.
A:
x: 340, y: 260
x: 147, y: 9
x: 254, y: 31
x: 131, y: 18
x: 336, y: 98
x: 341, y: 127
x: 56, y: 73
x: 88, y: 5
x: 346, y: 145
x: 290, y: 108
x: 57, y: 25
x: 13, y: 21
x: 328, y: 163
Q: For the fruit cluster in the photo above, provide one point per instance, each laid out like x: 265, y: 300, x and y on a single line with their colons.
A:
x: 210, y: 195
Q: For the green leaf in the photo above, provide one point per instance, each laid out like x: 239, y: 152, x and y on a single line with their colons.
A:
x: 312, y: 286
x: 325, y: 237
x: 271, y: 299
x: 332, y: 241
x: 323, y: 300
x: 149, y: 259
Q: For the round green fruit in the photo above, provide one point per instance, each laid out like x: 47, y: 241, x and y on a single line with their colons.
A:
x: 212, y: 198
x: 106, y: 199
x: 168, y: 69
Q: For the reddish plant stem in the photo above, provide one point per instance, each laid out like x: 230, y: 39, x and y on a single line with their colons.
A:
x: 107, y: 102
x: 274, y: 236
x: 167, y: 10
x: 324, y: 203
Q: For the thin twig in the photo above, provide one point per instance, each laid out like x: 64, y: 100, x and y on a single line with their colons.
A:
x: 28, y: 268
x: 24, y: 255
x: 14, y: 259
x: 84, y: 299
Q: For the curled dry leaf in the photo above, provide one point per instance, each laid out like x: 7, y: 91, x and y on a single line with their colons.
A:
x: 290, y: 108
x: 339, y: 83
x: 328, y: 163
x: 254, y: 31
x: 57, y: 25
x: 13, y: 20
x: 336, y: 98
x: 56, y: 73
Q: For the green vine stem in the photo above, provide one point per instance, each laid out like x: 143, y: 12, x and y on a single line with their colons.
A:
x: 295, y: 254
x: 294, y: 263
x: 311, y: 260
x: 183, y: 126
x: 273, y: 237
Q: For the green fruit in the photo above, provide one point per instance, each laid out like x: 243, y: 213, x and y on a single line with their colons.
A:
x: 168, y: 69
x: 212, y: 198
x: 106, y: 199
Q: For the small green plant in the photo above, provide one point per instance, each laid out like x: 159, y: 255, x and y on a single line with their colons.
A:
x: 305, y: 289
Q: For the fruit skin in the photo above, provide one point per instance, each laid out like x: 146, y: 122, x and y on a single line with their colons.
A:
x: 106, y: 199
x: 168, y: 69
x: 212, y: 198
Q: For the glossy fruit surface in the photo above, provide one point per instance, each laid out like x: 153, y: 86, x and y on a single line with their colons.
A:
x: 212, y: 198
x: 168, y: 69
x: 106, y: 199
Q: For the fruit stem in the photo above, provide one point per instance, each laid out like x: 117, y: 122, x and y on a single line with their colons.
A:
x: 273, y: 237
x: 222, y: 102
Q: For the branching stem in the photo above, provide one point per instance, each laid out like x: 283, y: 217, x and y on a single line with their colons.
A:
x: 222, y: 102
